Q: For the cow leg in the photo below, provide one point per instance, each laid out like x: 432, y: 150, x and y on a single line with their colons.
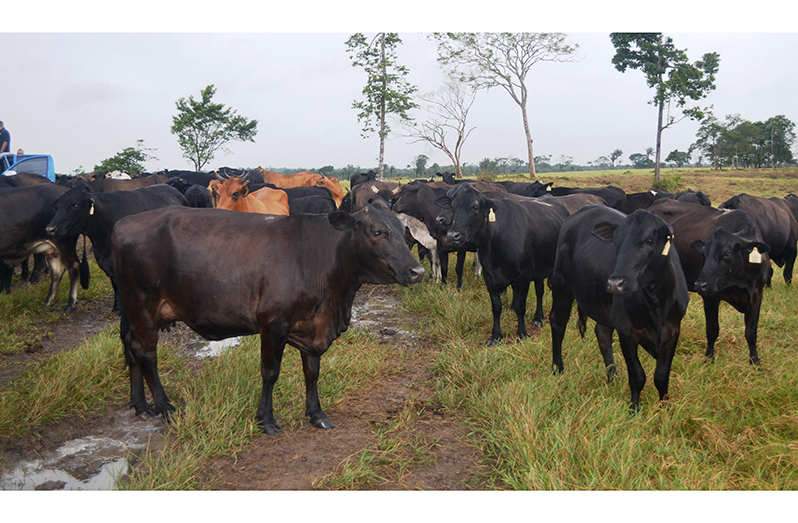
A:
x: 477, y: 266
x: 435, y: 265
x: 72, y: 264
x: 637, y: 376
x: 272, y: 345
x: 458, y: 268
x: 562, y: 302
x: 520, y: 292
x: 604, y: 339
x: 310, y: 366
x: 711, y: 306
x: 444, y: 261
x: 117, y: 298
x: 25, y: 270
x: 6, y: 274
x: 132, y: 347
x: 495, y: 293
x: 662, y: 372
x: 537, y: 319
x: 57, y: 269
x: 752, y: 326
x: 789, y: 263
x: 39, y: 265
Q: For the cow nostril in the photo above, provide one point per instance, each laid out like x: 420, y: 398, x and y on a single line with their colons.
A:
x: 615, y: 285
x: 51, y: 229
x: 416, y: 274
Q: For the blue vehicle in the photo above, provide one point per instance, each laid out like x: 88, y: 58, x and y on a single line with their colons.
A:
x: 11, y: 164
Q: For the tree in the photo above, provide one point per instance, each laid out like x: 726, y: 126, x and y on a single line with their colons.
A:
x: 387, y: 92
x: 778, y: 138
x: 448, y: 109
x: 708, y: 141
x: 203, y: 127
x: 614, y: 155
x: 486, y: 60
x: 130, y: 160
x: 601, y: 162
x: 668, y: 71
x: 421, y: 164
x: 640, y: 161
x: 678, y: 157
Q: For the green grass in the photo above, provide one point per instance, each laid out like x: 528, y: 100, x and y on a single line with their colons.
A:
x: 728, y: 425
x: 24, y: 319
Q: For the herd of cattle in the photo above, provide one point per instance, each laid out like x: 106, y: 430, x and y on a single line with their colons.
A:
x: 287, y: 262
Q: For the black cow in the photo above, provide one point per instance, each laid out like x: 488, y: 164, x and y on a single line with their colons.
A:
x: 693, y: 197
x: 615, y: 197
x: 24, y: 215
x: 516, y: 242
x: 526, y: 188
x: 623, y: 273
x: 294, y: 280
x: 740, y: 275
x: 359, y: 178
x: 311, y: 205
x: 194, y: 178
x: 80, y: 211
x: 777, y: 225
x: 642, y: 200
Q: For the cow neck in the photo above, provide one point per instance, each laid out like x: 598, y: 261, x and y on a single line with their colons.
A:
x: 93, y: 228
x: 342, y: 282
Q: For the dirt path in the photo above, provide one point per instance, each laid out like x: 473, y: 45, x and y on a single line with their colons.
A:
x: 293, y: 460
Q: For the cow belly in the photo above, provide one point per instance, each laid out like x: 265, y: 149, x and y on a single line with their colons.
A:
x: 15, y: 256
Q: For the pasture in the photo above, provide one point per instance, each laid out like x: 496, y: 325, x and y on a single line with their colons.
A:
x: 727, y: 425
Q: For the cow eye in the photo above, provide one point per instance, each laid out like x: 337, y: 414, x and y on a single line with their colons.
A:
x: 235, y: 193
x: 376, y: 233
x: 650, y: 241
x: 74, y: 205
x: 476, y: 206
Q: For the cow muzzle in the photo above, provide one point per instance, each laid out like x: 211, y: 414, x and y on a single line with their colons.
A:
x: 453, y: 237
x: 51, y: 229
x: 616, y: 285
x: 416, y: 274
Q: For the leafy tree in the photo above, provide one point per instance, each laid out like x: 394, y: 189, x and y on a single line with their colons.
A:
x: 640, y: 161
x: 708, y: 142
x: 614, y: 155
x: 649, y: 152
x: 130, y: 160
x: 486, y: 60
x: 448, y: 109
x: 668, y: 71
x: 678, y: 157
x: 543, y: 162
x: 203, y: 127
x: 421, y: 164
x: 778, y: 137
x: 602, y: 161
x: 387, y: 92
x: 327, y: 170
x: 563, y: 162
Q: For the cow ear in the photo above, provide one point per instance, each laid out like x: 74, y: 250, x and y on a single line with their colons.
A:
x: 341, y: 220
x: 604, y: 231
x: 444, y: 202
x: 759, y: 246
x: 698, y: 246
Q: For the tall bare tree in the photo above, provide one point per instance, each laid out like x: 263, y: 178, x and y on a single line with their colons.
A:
x: 448, y: 109
x: 504, y: 60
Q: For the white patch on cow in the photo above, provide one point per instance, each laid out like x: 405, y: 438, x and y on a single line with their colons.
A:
x: 421, y: 234
x: 755, y: 256
x: 374, y: 189
x: 118, y: 175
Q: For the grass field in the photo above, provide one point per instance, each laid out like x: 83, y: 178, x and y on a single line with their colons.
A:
x: 728, y: 425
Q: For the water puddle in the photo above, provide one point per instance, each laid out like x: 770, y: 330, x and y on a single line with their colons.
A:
x: 214, y: 348
x: 90, y: 463
x: 382, y: 315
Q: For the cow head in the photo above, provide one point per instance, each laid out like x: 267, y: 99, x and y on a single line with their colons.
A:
x: 644, y: 245
x: 378, y: 237
x: 73, y: 211
x: 537, y: 188
x: 230, y: 190
x: 729, y: 260
x: 469, y: 211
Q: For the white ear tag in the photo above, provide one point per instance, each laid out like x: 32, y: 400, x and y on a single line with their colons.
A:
x: 491, y: 216
x: 91, y: 211
x: 667, y: 248
x: 755, y: 256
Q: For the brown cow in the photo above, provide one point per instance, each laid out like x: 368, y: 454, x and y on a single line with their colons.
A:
x: 233, y: 194
x: 304, y: 179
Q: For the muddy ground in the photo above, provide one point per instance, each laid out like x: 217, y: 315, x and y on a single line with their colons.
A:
x: 85, y: 454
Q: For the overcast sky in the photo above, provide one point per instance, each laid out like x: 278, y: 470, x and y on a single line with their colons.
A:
x: 84, y: 96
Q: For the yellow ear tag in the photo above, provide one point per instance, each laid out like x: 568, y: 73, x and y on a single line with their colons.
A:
x: 491, y: 216
x: 755, y: 256
x: 91, y: 211
x: 667, y: 248
x: 548, y: 188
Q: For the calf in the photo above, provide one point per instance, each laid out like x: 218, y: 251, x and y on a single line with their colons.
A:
x: 294, y: 281
x: 623, y: 273
x: 694, y: 227
x: 776, y: 223
x: 79, y: 211
x: 516, y: 242
x: 233, y: 194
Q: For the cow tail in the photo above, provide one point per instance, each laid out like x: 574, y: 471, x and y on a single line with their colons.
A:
x: 84, y: 268
x: 581, y: 322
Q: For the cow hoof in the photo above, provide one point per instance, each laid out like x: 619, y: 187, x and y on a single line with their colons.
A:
x: 538, y: 324
x: 69, y: 308
x: 323, y: 423
x: 612, y: 373
x: 272, y: 429
x: 492, y: 342
x: 555, y: 370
